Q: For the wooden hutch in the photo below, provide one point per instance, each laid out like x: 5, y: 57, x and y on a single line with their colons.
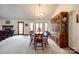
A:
x: 60, y: 22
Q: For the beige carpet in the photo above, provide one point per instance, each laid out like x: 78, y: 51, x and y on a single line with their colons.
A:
x: 20, y: 45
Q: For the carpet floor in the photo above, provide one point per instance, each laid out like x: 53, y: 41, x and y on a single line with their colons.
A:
x: 20, y: 45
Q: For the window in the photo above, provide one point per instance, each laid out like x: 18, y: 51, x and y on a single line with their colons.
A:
x: 46, y: 26
x: 31, y: 26
x: 39, y: 27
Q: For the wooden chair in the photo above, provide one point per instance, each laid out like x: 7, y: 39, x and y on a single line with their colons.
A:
x: 39, y: 39
x: 31, y: 37
x: 46, y: 37
x: 46, y: 40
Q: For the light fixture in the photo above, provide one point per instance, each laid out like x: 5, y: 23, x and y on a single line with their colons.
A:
x: 38, y: 13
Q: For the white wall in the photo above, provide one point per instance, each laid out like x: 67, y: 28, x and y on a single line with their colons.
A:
x: 14, y: 22
x: 73, y: 25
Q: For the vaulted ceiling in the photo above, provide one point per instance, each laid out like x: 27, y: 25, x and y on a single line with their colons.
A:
x: 26, y: 11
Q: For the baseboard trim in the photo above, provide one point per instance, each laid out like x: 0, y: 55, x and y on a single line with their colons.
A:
x: 74, y: 50
x: 22, y: 34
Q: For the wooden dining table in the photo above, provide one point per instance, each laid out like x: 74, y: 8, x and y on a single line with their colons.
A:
x: 40, y: 38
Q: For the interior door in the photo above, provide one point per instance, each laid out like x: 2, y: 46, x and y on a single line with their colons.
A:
x: 20, y: 28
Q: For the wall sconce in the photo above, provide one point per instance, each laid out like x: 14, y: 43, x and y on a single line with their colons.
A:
x: 26, y: 24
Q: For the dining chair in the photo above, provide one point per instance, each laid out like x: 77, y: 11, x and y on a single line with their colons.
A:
x: 31, y: 37
x: 46, y: 38
x: 38, y: 39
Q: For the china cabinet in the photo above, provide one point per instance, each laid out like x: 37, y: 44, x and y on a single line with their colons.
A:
x: 60, y: 22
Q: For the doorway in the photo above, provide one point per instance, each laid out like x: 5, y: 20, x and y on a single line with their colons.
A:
x: 20, y: 28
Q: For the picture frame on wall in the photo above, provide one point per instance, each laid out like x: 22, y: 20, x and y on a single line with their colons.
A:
x: 7, y: 22
x: 26, y: 24
x: 77, y: 18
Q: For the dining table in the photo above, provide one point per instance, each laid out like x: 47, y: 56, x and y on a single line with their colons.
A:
x: 40, y: 38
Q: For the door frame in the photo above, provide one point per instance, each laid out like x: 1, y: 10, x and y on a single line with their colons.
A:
x: 18, y: 27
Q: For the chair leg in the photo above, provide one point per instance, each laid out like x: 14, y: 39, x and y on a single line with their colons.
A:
x: 35, y: 45
x: 45, y: 44
x: 30, y: 42
x: 42, y: 46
